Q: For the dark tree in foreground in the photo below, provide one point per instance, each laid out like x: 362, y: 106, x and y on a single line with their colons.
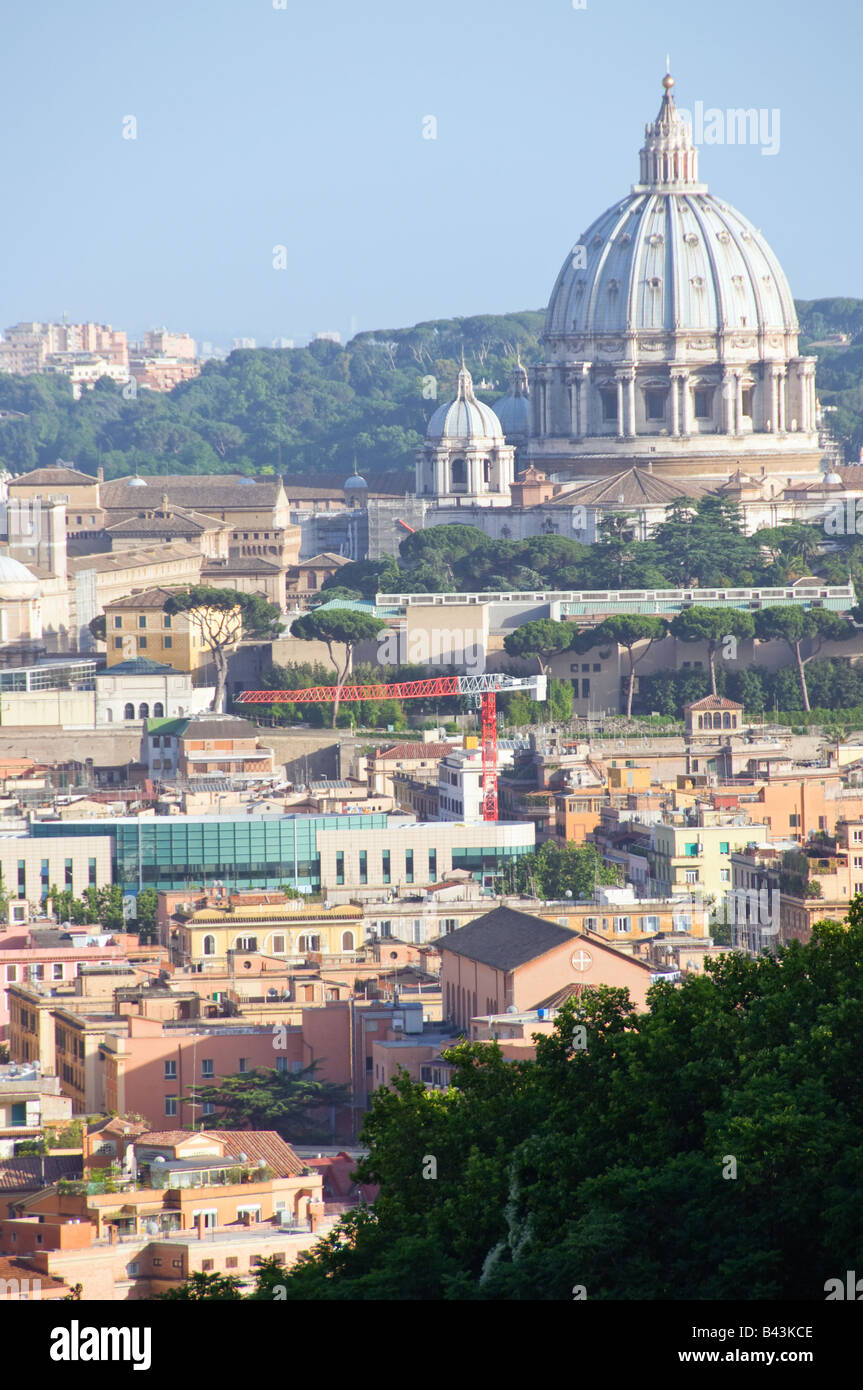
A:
x: 707, y: 1149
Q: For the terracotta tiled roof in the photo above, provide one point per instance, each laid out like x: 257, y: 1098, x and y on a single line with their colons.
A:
x: 326, y: 558
x: 259, y: 1143
x: 713, y: 702
x: 22, y: 1271
x: 25, y: 1174
x: 435, y: 751
x: 632, y: 488
x: 55, y: 477
x: 339, y: 1186
x: 168, y: 1138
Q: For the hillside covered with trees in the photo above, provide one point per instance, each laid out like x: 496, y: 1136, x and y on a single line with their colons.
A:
x: 308, y: 411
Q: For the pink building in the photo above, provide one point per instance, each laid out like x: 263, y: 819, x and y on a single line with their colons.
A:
x: 509, y: 958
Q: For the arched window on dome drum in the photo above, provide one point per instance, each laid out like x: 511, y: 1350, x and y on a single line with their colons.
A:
x: 608, y: 396
x: 143, y: 711
x: 458, y: 474
x: 158, y: 710
x: 129, y: 712
x: 486, y: 471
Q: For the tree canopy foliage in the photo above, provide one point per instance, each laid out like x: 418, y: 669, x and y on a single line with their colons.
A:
x: 706, y: 1149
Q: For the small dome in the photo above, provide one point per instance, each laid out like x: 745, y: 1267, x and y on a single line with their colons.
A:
x: 16, y: 581
x: 355, y: 481
x: 465, y: 417
x: 136, y: 482
x: 513, y: 409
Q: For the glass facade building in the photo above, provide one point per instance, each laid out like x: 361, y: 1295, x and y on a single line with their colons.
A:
x: 185, y: 852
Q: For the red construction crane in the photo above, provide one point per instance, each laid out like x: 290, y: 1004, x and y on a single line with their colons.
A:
x: 484, y: 688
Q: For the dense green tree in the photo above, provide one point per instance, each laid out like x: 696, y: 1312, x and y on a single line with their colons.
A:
x: 799, y: 627
x: 205, y: 1287
x: 296, y: 1104
x: 713, y: 626
x: 539, y: 640
x: 338, y: 627
x: 627, y: 630
x: 734, y: 1103
x: 221, y: 617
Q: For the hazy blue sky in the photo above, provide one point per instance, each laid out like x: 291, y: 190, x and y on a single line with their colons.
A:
x: 302, y: 127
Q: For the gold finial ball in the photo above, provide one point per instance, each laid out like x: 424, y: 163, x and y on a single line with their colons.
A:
x: 668, y: 82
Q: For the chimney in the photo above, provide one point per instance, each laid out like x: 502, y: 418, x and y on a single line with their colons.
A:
x: 100, y: 475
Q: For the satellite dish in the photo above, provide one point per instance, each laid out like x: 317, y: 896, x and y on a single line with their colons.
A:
x: 158, y: 1159
x: 512, y: 1009
x: 244, y: 1158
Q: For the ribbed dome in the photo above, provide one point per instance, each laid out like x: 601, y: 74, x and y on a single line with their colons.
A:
x: 465, y: 417
x: 513, y: 409
x: 670, y: 256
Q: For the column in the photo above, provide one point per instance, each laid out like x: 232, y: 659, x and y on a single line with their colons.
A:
x: 774, y: 401
x: 620, y: 424
x: 572, y: 388
x: 738, y: 403
x: 686, y: 403
x: 675, y: 407
x: 630, y: 405
x: 584, y: 403
x: 727, y: 402
x: 782, y: 398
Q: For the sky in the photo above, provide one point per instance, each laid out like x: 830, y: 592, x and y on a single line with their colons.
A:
x: 273, y: 131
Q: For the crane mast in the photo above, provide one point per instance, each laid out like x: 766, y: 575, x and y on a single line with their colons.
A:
x: 484, y: 687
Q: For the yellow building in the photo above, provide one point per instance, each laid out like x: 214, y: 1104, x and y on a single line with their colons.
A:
x: 697, y: 858
x: 139, y: 626
x: 274, y: 929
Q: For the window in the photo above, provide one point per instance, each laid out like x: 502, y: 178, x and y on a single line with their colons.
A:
x: 725, y: 875
x: 385, y: 866
x: 723, y: 846
x: 746, y: 397
x: 91, y: 873
x: 279, y: 945
x: 597, y: 666
x: 11, y: 974
x: 364, y: 866
x: 118, y: 621
x: 792, y: 821
x: 169, y: 642
x: 243, y: 1064
x: 231, y: 1262
x: 608, y: 396
x: 118, y: 644
x: 208, y: 1107
x: 655, y: 405
x: 409, y: 866
x: 19, y: 1113
x: 281, y: 1064
x: 22, y: 878
x: 46, y: 879
x: 622, y: 924
x: 691, y: 875
x: 207, y: 1066
x: 142, y: 642
x: 157, y: 1263
x: 209, y: 946
x: 702, y: 404
x: 432, y: 865
x: 207, y: 1265
x: 159, y: 711
x: 142, y: 620
x: 691, y: 849
x: 170, y: 1105
x: 650, y: 924
x: 246, y: 943
x: 129, y: 712
x: 340, y: 866
x: 68, y: 873
x: 58, y: 970
x: 585, y: 689
x: 167, y: 620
